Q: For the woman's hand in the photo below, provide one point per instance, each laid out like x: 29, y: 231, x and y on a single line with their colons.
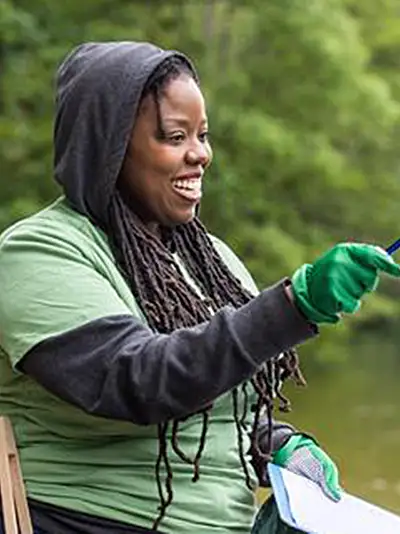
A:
x: 303, y: 456
x: 336, y: 282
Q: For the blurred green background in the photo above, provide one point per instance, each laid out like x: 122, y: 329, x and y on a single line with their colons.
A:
x: 304, y: 108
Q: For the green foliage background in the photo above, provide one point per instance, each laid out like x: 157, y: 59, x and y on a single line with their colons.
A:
x: 304, y: 105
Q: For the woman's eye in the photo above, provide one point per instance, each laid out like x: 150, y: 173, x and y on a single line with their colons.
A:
x: 204, y: 136
x: 176, y: 138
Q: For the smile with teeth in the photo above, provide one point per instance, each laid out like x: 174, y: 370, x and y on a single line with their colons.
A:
x: 189, y: 189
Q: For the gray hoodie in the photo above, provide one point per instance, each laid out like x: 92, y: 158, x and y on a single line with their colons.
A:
x: 99, y: 86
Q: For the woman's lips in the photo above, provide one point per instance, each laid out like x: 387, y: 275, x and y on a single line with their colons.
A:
x: 188, y: 188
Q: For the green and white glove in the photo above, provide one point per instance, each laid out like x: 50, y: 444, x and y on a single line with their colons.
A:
x: 337, y: 281
x: 303, y: 456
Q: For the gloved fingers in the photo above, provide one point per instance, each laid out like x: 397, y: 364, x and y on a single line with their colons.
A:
x: 351, y: 286
x: 332, y: 489
x: 351, y: 305
x: 317, y: 467
x: 373, y: 256
x: 355, y: 279
x: 330, y: 483
x: 359, y: 282
x: 344, y: 299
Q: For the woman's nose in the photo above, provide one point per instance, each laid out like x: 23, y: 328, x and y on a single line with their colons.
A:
x: 199, y: 155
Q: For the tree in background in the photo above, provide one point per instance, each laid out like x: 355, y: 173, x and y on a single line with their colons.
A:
x: 304, y: 105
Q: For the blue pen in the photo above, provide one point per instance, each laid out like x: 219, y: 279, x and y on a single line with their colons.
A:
x: 393, y: 247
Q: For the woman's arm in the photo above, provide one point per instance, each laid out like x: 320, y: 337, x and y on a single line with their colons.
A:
x: 117, y: 367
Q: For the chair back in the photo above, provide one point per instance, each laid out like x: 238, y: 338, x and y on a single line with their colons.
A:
x: 15, y: 510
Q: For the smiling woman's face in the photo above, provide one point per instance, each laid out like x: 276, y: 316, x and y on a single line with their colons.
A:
x: 163, y: 170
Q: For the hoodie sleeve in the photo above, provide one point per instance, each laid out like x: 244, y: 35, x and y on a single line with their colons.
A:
x: 61, y: 319
x: 280, y: 434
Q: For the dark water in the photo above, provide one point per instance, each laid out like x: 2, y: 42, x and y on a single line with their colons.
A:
x: 353, y: 409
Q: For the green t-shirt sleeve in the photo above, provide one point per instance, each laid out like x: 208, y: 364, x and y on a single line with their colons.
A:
x: 235, y: 265
x: 48, y: 285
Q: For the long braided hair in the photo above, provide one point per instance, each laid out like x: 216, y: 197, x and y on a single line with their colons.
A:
x: 168, y: 303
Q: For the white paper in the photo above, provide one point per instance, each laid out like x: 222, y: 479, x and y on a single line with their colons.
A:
x: 316, y: 514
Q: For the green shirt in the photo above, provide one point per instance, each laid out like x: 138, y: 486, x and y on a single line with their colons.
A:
x: 57, y: 273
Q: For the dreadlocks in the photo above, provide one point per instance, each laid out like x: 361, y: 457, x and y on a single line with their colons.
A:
x: 169, y: 302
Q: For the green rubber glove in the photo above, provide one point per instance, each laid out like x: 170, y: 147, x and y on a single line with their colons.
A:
x: 336, y: 282
x: 303, y: 456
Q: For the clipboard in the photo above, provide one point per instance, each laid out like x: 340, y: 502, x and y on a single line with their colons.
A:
x: 303, y: 505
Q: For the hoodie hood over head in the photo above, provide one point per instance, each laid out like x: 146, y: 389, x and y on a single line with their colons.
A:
x: 99, y: 87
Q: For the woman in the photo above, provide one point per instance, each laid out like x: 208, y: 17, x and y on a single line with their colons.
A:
x: 138, y: 365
